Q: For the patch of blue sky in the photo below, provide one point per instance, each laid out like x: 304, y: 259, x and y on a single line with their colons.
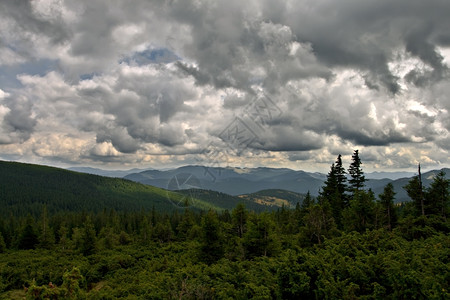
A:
x: 9, y: 74
x: 152, y: 56
x: 88, y: 76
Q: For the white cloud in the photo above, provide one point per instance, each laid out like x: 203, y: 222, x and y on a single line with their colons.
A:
x: 369, y: 75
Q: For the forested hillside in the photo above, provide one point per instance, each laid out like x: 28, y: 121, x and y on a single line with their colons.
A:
x: 26, y: 188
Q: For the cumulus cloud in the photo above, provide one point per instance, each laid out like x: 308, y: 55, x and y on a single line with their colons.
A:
x: 159, y: 81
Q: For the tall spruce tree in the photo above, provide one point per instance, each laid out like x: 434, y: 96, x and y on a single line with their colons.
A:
x: 239, y: 217
x: 89, y: 238
x: 415, y: 192
x: 319, y: 222
x: 438, y: 195
x: 260, y: 239
x: 211, y: 239
x: 387, y: 204
x: 360, y: 215
x: 46, y: 238
x: 307, y: 202
x: 330, y: 185
x: 422, y: 204
x: 28, y: 238
x: 357, y: 180
x: 334, y: 190
x: 341, y: 180
x: 63, y: 239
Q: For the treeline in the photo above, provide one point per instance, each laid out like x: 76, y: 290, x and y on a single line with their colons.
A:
x: 345, y: 244
x: 348, y: 206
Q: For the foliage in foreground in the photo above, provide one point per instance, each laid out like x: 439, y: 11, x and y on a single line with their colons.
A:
x: 204, y: 257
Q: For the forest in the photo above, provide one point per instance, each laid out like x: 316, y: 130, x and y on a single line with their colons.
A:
x: 347, y: 243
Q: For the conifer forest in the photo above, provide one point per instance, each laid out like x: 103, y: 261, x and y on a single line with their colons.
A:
x: 346, y: 243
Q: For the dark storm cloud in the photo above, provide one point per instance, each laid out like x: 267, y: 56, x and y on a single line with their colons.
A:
x: 365, y: 34
x: 283, y: 137
x: 228, y: 46
x: 18, y: 124
x: 377, y: 138
x: 24, y: 20
x: 120, y: 139
x: 340, y: 113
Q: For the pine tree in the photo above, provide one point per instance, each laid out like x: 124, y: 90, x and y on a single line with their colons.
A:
x: 163, y: 231
x: 330, y: 185
x: 422, y: 204
x: 259, y: 240
x: 319, y: 222
x: 360, y: 215
x: 107, y: 238
x: 296, y: 218
x: 63, y: 240
x: 239, y: 217
x: 387, y: 203
x: 11, y: 232
x: 308, y: 201
x: 146, y: 231
x: 438, y: 195
x: 357, y: 180
x: 124, y: 238
x: 46, y: 238
x: 341, y: 180
x: 414, y: 190
x: 28, y: 238
x: 334, y: 190
x: 211, y: 243
x: 88, y: 237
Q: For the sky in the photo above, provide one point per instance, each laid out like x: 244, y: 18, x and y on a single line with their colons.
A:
x: 161, y: 84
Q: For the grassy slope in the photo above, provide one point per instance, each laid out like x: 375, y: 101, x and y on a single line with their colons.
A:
x: 224, y: 200
x: 275, y: 197
x: 25, y: 188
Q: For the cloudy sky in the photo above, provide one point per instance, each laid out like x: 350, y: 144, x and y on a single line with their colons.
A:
x: 154, y: 83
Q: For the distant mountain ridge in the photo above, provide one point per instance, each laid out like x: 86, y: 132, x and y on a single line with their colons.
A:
x: 389, y: 175
x: 239, y: 181
x: 107, y: 173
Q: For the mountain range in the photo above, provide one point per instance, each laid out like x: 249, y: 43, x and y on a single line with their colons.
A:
x: 239, y: 181
x: 26, y: 188
x: 107, y: 173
